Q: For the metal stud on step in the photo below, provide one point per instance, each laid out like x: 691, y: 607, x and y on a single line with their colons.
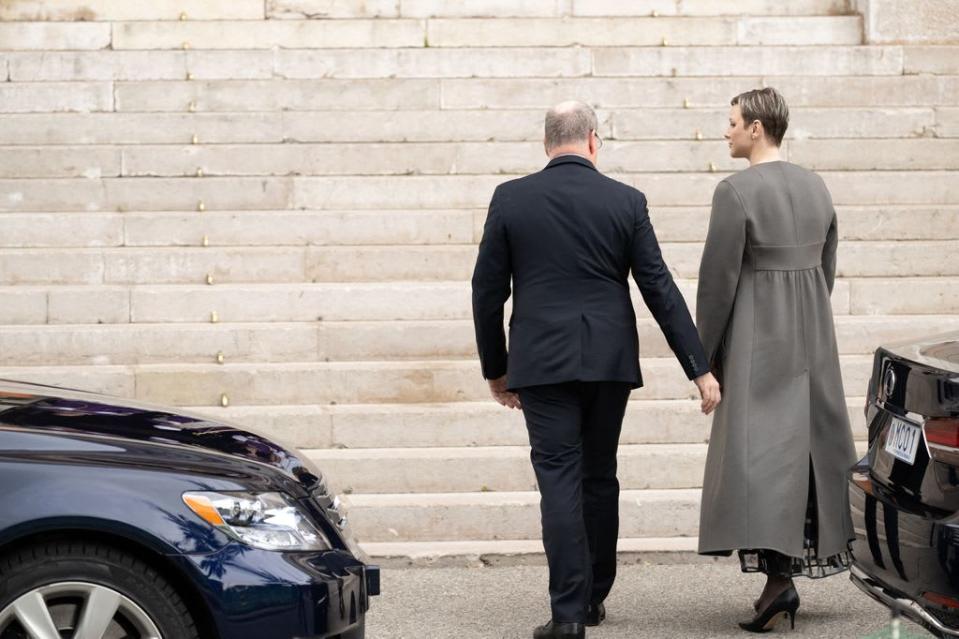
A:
x: 209, y: 278
x: 214, y: 318
x: 206, y: 241
x: 200, y: 206
x: 199, y: 172
x: 195, y: 139
x: 183, y: 16
x: 220, y: 357
x: 699, y: 135
x: 686, y: 103
x: 224, y: 400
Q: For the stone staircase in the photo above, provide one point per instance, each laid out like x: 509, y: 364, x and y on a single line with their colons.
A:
x: 268, y: 211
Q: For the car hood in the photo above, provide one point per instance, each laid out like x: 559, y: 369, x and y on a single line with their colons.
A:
x: 77, y: 414
x: 938, y: 351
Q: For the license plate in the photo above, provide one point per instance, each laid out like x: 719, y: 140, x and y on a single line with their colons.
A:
x: 903, y: 440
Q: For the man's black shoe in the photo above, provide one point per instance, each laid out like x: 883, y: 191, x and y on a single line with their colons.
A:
x: 595, y: 614
x: 554, y: 630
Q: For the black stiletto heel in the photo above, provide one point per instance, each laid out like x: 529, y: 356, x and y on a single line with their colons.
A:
x: 783, y: 606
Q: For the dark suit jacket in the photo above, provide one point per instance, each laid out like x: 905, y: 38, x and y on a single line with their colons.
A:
x: 568, y: 237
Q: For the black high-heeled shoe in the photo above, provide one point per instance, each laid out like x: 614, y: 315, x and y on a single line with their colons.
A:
x: 783, y: 606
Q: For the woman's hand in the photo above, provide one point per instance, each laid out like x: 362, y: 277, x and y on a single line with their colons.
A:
x: 709, y: 392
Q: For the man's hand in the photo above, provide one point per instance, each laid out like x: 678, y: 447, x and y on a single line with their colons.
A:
x: 709, y: 392
x: 497, y: 387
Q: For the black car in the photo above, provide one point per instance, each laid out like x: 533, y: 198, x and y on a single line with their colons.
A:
x: 904, y: 495
x: 120, y: 520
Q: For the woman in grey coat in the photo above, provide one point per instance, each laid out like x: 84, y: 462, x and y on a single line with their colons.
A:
x: 775, y: 484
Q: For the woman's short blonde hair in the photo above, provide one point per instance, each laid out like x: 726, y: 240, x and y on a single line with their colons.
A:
x: 767, y: 106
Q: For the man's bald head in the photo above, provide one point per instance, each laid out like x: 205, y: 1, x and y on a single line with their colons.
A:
x: 569, y: 124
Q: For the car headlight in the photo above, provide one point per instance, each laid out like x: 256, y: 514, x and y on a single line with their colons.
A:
x: 269, y: 521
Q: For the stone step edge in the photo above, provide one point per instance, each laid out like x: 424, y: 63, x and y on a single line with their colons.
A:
x: 508, y: 451
x: 504, y: 451
x: 414, y: 407
x: 438, y: 554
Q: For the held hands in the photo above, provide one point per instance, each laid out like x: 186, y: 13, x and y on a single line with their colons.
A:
x: 497, y: 388
x: 709, y: 392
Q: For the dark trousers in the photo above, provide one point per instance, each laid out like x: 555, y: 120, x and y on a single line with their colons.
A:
x: 574, y: 431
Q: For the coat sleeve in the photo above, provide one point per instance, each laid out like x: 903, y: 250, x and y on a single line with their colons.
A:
x: 662, y: 296
x: 720, y: 269
x: 829, y: 253
x: 491, y: 289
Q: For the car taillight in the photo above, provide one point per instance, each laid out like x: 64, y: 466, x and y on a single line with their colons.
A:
x: 942, y: 436
x: 943, y: 431
x: 943, y: 600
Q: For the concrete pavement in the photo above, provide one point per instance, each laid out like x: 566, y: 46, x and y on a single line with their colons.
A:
x: 695, y: 601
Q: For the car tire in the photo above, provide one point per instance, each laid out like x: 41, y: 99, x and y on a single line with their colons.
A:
x: 63, y: 577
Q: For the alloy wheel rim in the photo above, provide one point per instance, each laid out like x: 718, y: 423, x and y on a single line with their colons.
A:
x: 88, y: 610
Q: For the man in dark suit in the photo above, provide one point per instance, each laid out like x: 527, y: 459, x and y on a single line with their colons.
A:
x: 568, y: 237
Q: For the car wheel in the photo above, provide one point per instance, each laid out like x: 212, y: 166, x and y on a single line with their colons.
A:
x: 87, y: 591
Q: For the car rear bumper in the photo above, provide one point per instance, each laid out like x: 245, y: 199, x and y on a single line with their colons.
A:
x: 904, y: 558
x: 893, y: 600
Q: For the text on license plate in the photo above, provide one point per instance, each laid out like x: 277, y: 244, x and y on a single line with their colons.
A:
x: 903, y: 440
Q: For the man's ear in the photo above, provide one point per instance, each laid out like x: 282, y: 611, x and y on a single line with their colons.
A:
x: 545, y: 147
x: 756, y: 128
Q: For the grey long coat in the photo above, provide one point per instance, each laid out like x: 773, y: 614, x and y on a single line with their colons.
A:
x: 765, y: 319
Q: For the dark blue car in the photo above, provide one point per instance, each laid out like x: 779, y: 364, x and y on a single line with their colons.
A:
x: 125, y: 521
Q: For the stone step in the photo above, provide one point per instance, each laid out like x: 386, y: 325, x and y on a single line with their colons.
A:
x: 269, y: 34
x: 857, y: 188
x: 458, y: 424
x: 878, y: 222
x: 40, y: 36
x: 457, y: 158
x: 337, y: 382
x: 947, y: 122
x: 300, y: 9
x: 938, y: 59
x: 855, y: 259
x: 439, y: 32
x: 493, y: 469
x: 473, y: 62
x: 645, y: 31
x: 45, y: 97
x: 237, y: 265
x: 800, y: 91
x: 531, y: 93
x: 461, y: 125
x: 514, y: 515
x: 381, y: 301
x: 490, y: 93
x: 276, y: 342
x: 711, y: 7
x: 496, y: 468
x: 861, y: 155
x: 288, y: 302
x: 109, y: 10
x: 372, y: 227
x: 433, y: 554
x: 804, y: 123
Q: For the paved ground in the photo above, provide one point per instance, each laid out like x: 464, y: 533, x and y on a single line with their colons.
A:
x: 648, y: 602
